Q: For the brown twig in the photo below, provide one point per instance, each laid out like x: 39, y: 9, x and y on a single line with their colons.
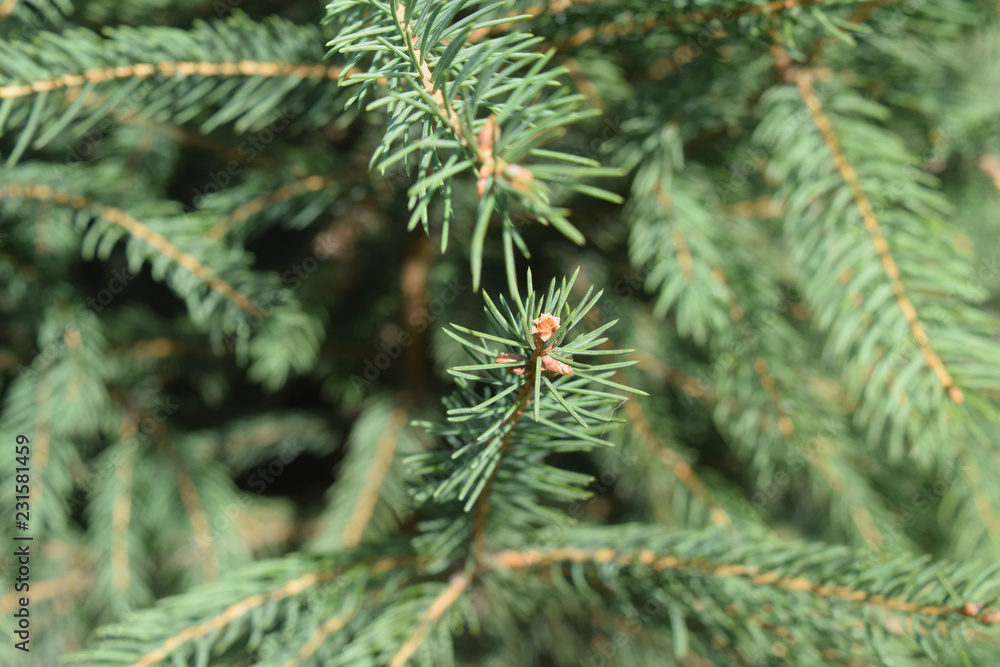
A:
x: 542, y: 328
x: 445, y: 599
x: 258, y: 204
x: 171, y: 69
x: 519, y: 560
x: 6, y: 7
x: 329, y: 626
x: 385, y: 451
x: 121, y: 510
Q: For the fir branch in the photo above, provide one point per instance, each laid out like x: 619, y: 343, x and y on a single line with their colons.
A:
x: 258, y: 204
x: 385, y: 452
x: 169, y: 69
x: 121, y: 512
x: 516, y: 560
x: 233, y: 612
x: 482, y: 507
x: 803, y: 78
x: 500, y: 76
x: 144, y: 70
x: 330, y: 626
x: 444, y: 600
x: 155, y: 240
x: 427, y: 77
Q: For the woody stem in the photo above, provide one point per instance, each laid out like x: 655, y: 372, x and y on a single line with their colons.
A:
x: 482, y: 506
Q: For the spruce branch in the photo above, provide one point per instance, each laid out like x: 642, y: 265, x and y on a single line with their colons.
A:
x: 928, y: 609
x: 385, y: 449
x: 139, y: 71
x: 213, y: 616
x: 803, y: 78
x: 155, y: 240
x: 856, y: 300
x: 445, y: 599
x: 311, y: 184
x: 692, y: 267
x: 331, y: 626
x: 515, y: 560
x: 442, y: 84
x: 496, y: 444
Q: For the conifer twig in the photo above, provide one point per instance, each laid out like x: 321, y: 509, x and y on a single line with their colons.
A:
x: 121, y: 510
x: 329, y: 626
x: 6, y: 7
x: 803, y: 80
x: 427, y: 79
x: 258, y: 204
x: 171, y: 69
x: 518, y: 560
x: 137, y: 229
x: 445, y: 599
x: 368, y: 498
x: 482, y: 507
x: 231, y: 613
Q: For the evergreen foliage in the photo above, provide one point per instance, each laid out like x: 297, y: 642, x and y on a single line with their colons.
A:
x: 272, y: 422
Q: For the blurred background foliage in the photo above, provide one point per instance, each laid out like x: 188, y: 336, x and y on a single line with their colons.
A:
x: 213, y: 313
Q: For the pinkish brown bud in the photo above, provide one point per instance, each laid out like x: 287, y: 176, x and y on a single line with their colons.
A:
x: 972, y: 608
x: 507, y: 357
x: 488, y: 136
x: 519, y: 177
x: 544, y: 326
x: 555, y: 366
